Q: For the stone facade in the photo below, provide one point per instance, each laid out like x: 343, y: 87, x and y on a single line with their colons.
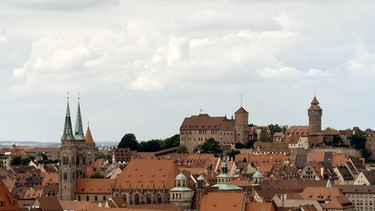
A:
x: 72, y: 157
x: 196, y: 129
x: 315, y: 116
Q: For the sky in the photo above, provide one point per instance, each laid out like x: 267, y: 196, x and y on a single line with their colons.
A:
x: 143, y: 66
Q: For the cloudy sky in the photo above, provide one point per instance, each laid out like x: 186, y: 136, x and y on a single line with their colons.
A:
x: 143, y: 66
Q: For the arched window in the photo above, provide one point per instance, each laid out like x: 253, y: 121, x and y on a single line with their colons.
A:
x: 77, y: 160
x: 160, y: 199
x: 124, y: 197
x: 79, y: 198
x: 65, y: 176
x: 87, y: 198
x: 148, y: 199
x: 136, y: 199
x: 104, y: 198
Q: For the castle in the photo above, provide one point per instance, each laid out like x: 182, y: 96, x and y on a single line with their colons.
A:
x: 196, y: 129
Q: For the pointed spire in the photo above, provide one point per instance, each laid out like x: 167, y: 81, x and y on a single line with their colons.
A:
x: 78, y: 132
x: 89, y: 139
x: 68, y: 130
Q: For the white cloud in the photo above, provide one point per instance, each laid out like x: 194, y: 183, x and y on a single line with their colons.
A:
x: 59, y: 5
x: 3, y: 37
x: 363, y: 65
x: 289, y: 73
x: 286, y: 23
x: 318, y: 73
x: 145, y: 84
x: 177, y: 50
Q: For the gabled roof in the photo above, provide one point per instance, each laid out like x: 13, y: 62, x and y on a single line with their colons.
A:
x: 227, y: 201
x: 9, y: 201
x: 90, y: 186
x: 329, y: 198
x: 206, y: 122
x: 148, y: 174
x: 49, y: 204
x: 241, y: 111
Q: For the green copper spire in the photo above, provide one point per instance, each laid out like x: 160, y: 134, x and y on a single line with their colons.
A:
x: 68, y: 130
x: 78, y: 132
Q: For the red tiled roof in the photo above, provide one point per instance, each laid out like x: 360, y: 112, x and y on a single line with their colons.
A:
x: 204, y: 121
x: 9, y: 201
x: 102, y: 186
x: 89, y: 139
x: 148, y: 174
x: 227, y: 201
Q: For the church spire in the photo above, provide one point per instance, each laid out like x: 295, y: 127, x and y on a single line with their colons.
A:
x: 78, y: 132
x: 68, y: 130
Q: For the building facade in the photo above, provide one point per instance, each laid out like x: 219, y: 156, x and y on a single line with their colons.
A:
x: 196, y: 129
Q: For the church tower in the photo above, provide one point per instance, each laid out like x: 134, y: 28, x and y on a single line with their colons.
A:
x: 90, y: 148
x: 72, y: 156
x: 315, y: 116
x: 241, y: 125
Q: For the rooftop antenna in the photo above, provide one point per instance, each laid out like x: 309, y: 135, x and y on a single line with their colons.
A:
x: 200, y: 110
x: 67, y: 96
x: 241, y: 99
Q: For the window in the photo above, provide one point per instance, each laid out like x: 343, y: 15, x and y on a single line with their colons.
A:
x: 87, y: 198
x: 136, y: 199
x: 148, y: 199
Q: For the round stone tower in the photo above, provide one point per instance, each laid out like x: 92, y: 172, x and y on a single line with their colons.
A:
x: 315, y: 116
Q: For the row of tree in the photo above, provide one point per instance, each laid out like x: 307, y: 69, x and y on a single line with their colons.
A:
x: 130, y: 141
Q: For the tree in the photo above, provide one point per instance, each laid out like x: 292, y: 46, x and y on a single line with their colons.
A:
x: 170, y: 142
x: 358, y: 141
x: 264, y: 137
x: 96, y: 175
x: 232, y: 154
x: 149, y: 146
x: 365, y: 153
x: 128, y: 141
x: 182, y: 150
x: 275, y: 128
x: 239, y: 145
x: 250, y: 144
x: 211, y: 146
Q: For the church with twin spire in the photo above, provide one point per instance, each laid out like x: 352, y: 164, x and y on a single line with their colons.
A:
x: 77, y: 151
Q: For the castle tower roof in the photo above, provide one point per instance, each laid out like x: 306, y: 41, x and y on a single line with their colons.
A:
x: 241, y: 111
x: 68, y: 130
x: 315, y: 105
x: 89, y: 139
x: 78, y: 132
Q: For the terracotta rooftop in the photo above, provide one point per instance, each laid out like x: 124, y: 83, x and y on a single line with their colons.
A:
x: 50, y: 178
x: 227, y: 201
x: 8, y: 200
x: 88, y: 138
x: 90, y: 185
x: 329, y: 198
x: 148, y: 174
x: 206, y: 122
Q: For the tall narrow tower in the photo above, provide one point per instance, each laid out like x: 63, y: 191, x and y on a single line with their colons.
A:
x: 315, y: 116
x: 241, y: 125
x: 72, y: 156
